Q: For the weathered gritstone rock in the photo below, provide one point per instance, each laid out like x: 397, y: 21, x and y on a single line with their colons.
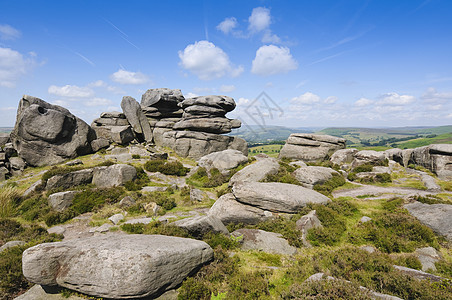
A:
x: 223, y: 160
x: 394, y: 154
x: 343, y: 156
x: 4, y: 138
x: 61, y: 201
x: 428, y: 256
x: 201, y: 225
x: 47, y: 134
x: 116, y: 266
x: 311, y: 147
x: 307, y: 222
x: 437, y: 158
x: 211, y: 125
x: 229, y: 210
x: 368, y: 157
x: 68, y: 180
x: 312, y: 175
x: 221, y: 102
x: 270, y: 242
x: 162, y: 97
x: 135, y: 116
x: 435, y: 216
x: 114, y: 175
x: 256, y: 172
x: 276, y: 197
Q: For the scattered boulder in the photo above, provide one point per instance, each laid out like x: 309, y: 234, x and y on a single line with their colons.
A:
x: 311, y: 147
x: 428, y: 256
x: 437, y: 158
x: 100, y: 143
x: 11, y: 244
x: 229, y: 210
x: 116, y: 266
x: 307, y: 222
x: 223, y: 160
x: 75, y: 162
x: 365, y: 219
x: 201, y: 225
x: 135, y: 116
x: 276, y: 196
x: 38, y: 292
x: 114, y: 175
x: 47, y: 134
x: 116, y: 218
x: 419, y: 274
x: 122, y: 134
x: 68, y: 180
x: 61, y: 201
x: 312, y: 175
x: 270, y: 242
x: 343, y: 156
x: 4, y: 138
x: 127, y: 201
x: 256, y: 171
x: 152, y: 208
x: 368, y: 157
x: 196, y: 195
x: 435, y: 216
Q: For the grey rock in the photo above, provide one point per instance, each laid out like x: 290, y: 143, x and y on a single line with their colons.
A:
x: 365, y: 219
x: 229, y: 210
x: 368, y: 157
x: 4, y: 172
x: 61, y: 201
x: 11, y: 244
x: 17, y: 163
x: 312, y: 175
x: 68, y: 180
x: 211, y: 125
x: 201, y: 225
x: 307, y: 222
x: 9, y: 150
x: 32, y: 188
x: 435, y: 216
x: 196, y: 195
x: 381, y: 170
x: 101, y: 229
x: 430, y: 183
x: 428, y: 256
x: 57, y: 230
x: 99, y: 143
x: 419, y: 274
x: 222, y: 102
x: 394, y: 154
x: 111, y: 122
x: 223, y: 160
x: 116, y: 266
x: 37, y: 292
x: 119, y: 150
x: 136, y: 118
x: 152, y: 208
x: 166, y: 123
x: 127, y: 201
x: 162, y: 97
x: 74, y: 162
x: 298, y: 163
x: 151, y: 189
x: 46, y: 134
x: 311, y: 147
x: 343, y: 156
x: 121, y: 134
x: 407, y: 155
x: 203, y: 111
x: 140, y: 221
x: 256, y: 171
x: 114, y: 175
x: 270, y: 242
x: 368, y: 249
x: 276, y: 197
x: 2, y: 156
x: 436, y: 157
x: 116, y: 218
x: 113, y: 115
x: 4, y: 138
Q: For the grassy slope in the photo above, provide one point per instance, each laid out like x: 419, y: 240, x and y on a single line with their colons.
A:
x: 445, y: 138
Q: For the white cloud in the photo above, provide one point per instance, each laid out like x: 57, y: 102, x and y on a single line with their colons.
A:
x: 432, y: 95
x: 269, y: 37
x: 271, y: 59
x: 227, y: 88
x: 362, y: 102
x: 243, y: 101
x: 9, y: 33
x: 449, y: 116
x: 71, y: 91
x: 128, y: 77
x: 227, y: 25
x: 396, y: 99
x: 207, y: 61
x: 115, y: 90
x: 259, y: 20
x: 97, y: 83
x: 389, y: 109
x: 190, y: 95
x: 203, y: 90
x: 13, y: 65
x: 306, y: 98
x: 330, y: 100
x: 98, y: 102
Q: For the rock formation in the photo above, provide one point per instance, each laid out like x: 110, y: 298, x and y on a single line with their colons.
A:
x: 47, y: 134
x: 311, y: 147
x: 114, y: 127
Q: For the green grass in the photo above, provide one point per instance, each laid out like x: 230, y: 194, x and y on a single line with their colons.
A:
x: 270, y: 150
x: 445, y: 138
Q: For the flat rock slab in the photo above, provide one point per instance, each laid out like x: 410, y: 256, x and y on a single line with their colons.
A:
x: 256, y: 172
x: 255, y: 239
x: 201, y: 225
x: 116, y: 266
x: 436, y: 216
x: 276, y: 197
x: 223, y: 160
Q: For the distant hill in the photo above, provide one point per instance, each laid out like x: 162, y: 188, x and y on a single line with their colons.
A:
x: 6, y: 129
x: 267, y: 134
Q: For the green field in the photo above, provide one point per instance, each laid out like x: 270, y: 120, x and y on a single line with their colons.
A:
x: 270, y: 150
x: 440, y: 139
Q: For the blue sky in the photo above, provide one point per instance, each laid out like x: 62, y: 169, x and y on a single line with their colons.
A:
x: 323, y: 63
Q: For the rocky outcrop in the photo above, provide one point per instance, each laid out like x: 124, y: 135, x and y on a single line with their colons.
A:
x: 428, y: 256
x: 307, y: 222
x: 276, y: 197
x: 116, y: 266
x: 312, y: 175
x: 435, y: 216
x: 260, y: 240
x: 47, y: 134
x: 4, y: 138
x: 68, y: 180
x: 61, y: 201
x: 343, y: 156
x: 256, y: 172
x: 311, y: 147
x: 223, y: 160
x: 368, y: 157
x: 437, y: 158
x: 132, y: 110
x: 201, y: 225
x: 114, y: 175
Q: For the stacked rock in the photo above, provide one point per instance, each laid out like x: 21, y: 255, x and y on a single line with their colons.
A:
x: 114, y: 127
x: 160, y: 106
x: 311, y: 147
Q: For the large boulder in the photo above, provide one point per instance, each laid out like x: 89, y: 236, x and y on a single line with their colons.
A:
x: 162, y: 97
x: 114, y: 175
x: 116, y: 266
x: 368, y: 157
x: 229, y: 210
x: 270, y: 242
x: 135, y: 116
x: 343, y: 156
x: 4, y: 138
x: 312, y: 175
x: 276, y: 196
x: 256, y: 172
x: 71, y: 179
x: 208, y: 124
x: 221, y: 102
x: 437, y: 158
x: 435, y: 216
x: 62, y: 200
x: 223, y: 160
x: 311, y: 147
x: 201, y: 225
x: 47, y: 134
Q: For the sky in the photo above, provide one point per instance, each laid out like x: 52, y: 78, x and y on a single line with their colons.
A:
x: 292, y: 63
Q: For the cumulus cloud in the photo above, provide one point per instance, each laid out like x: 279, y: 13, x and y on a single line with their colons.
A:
x: 396, y: 99
x: 271, y: 60
x: 207, y: 61
x: 71, y: 91
x: 433, y: 96
x: 8, y: 32
x: 306, y: 98
x: 330, y: 100
x: 227, y: 25
x: 259, y: 20
x: 362, y: 102
x: 13, y: 65
x: 96, y: 101
x: 128, y: 77
x: 190, y: 95
x: 227, y: 88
